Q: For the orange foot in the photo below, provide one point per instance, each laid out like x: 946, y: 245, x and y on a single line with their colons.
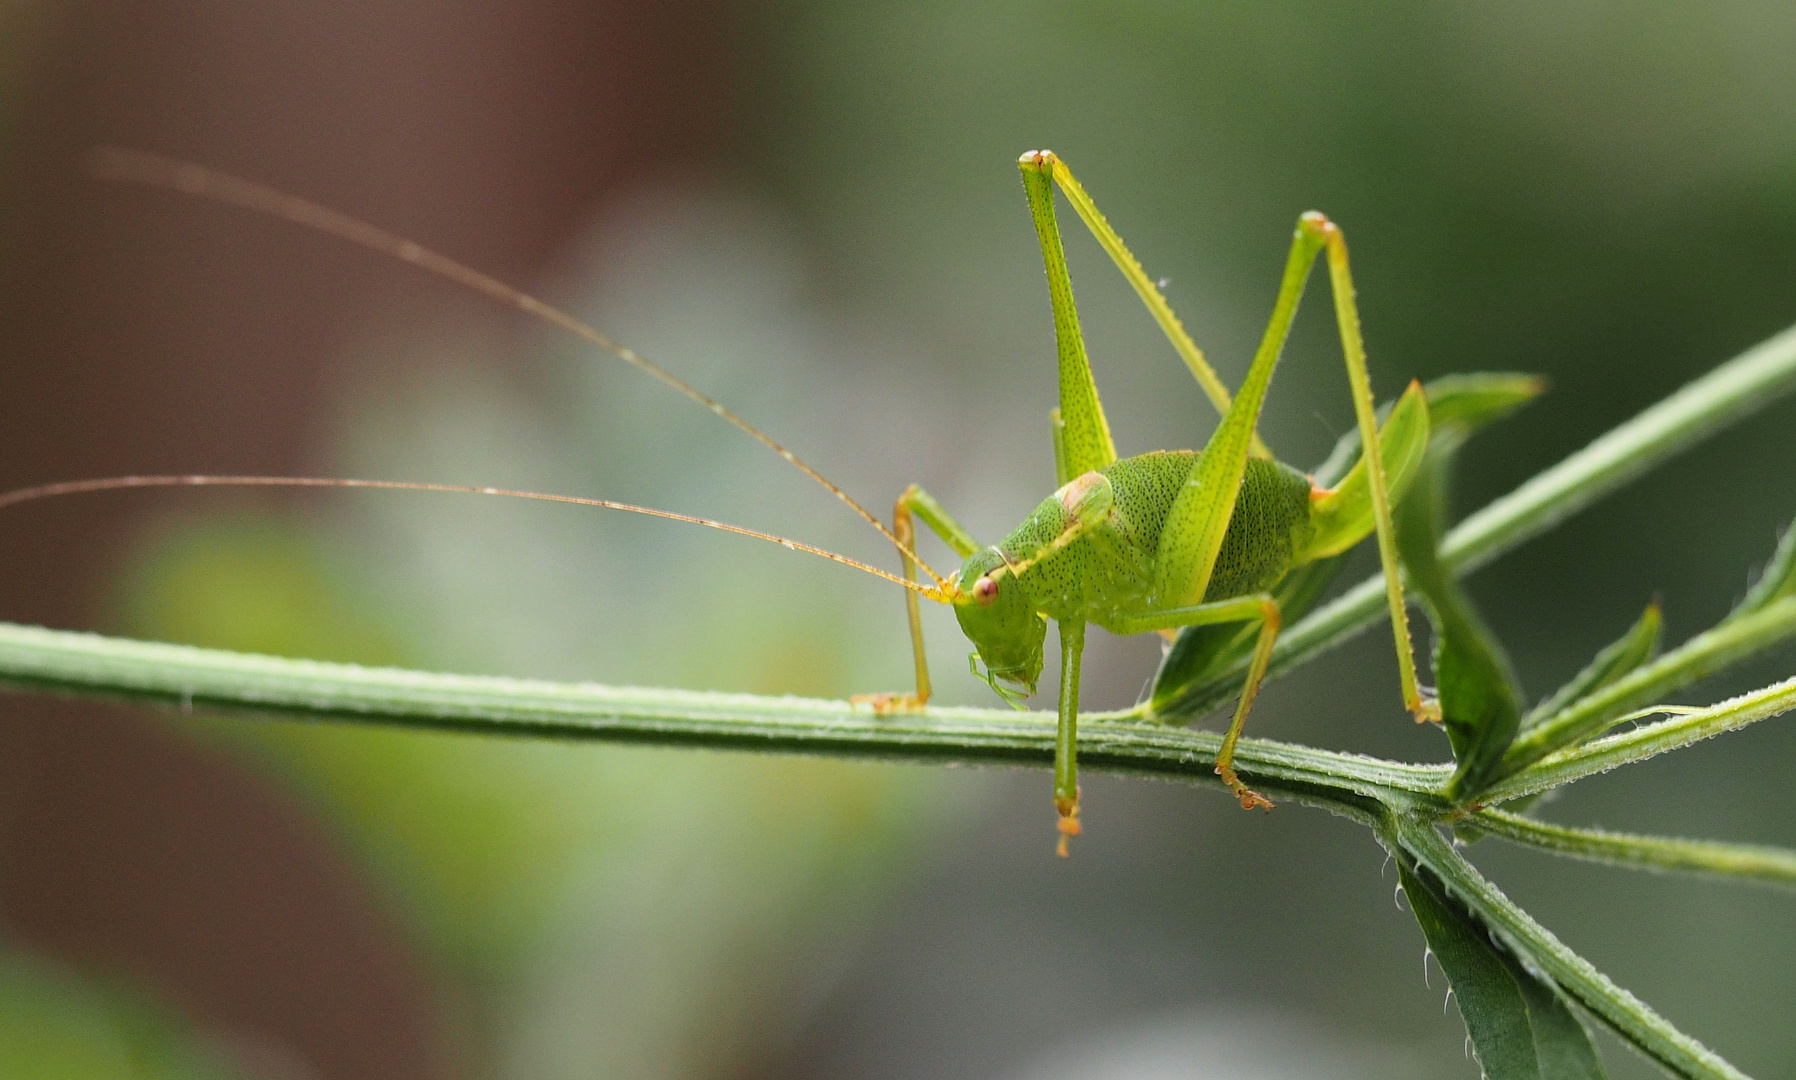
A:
x: 1428, y: 710
x: 1068, y: 825
x: 1250, y: 798
x: 887, y: 704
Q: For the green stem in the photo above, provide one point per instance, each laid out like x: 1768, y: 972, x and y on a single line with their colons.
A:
x: 1629, y: 1017
x: 1738, y: 862
x: 1649, y: 740
x: 1702, y: 655
x: 1399, y: 800
x: 1731, y: 392
x: 1365, y: 789
x: 181, y: 675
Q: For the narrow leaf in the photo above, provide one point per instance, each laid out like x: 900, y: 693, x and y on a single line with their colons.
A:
x: 1634, y: 649
x: 1745, y: 633
x: 1463, y: 403
x: 1520, y: 1026
x: 1776, y: 582
x: 1578, y: 982
x: 1480, y: 701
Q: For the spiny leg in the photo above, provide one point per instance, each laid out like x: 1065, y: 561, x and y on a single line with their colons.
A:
x: 1084, y: 442
x: 1066, y: 737
x: 923, y: 505
x: 1261, y: 608
x: 1270, y: 623
x: 1353, y: 345
x: 1200, y: 515
x: 1112, y: 243
x: 1198, y: 519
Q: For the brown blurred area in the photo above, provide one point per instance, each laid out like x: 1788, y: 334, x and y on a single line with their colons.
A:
x: 164, y: 336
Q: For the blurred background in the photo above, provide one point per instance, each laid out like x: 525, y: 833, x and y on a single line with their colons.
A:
x: 810, y: 208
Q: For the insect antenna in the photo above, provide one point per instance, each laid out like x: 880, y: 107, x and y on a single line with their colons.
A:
x: 173, y: 174
x: 120, y: 483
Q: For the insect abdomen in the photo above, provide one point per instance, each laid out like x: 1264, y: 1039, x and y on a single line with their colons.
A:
x: 1271, y: 521
x: 1109, y: 572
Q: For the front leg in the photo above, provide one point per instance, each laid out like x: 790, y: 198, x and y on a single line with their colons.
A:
x: 917, y: 503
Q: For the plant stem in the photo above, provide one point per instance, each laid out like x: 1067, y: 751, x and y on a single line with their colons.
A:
x: 1729, y: 393
x: 1734, y: 862
x: 1648, y: 740
x: 90, y: 664
x: 1365, y: 789
x: 1702, y: 655
x: 1629, y: 1017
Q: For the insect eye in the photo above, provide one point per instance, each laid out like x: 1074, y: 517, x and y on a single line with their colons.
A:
x: 985, y: 590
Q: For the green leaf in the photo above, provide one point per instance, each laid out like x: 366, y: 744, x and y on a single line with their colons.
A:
x: 1342, y: 517
x: 1634, y: 648
x: 1777, y: 581
x: 1480, y: 700
x: 1766, y: 617
x: 1520, y: 1026
x: 1459, y: 403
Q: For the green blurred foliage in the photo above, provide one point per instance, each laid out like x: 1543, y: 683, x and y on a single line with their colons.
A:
x: 1603, y: 192
x: 609, y: 909
x: 57, y: 1025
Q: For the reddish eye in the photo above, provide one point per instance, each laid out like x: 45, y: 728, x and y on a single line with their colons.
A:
x: 985, y: 590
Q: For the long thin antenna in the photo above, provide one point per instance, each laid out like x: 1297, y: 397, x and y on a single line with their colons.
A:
x: 173, y: 174
x: 116, y: 483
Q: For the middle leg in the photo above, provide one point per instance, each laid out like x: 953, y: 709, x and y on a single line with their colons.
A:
x: 1066, y: 737
x: 1260, y: 608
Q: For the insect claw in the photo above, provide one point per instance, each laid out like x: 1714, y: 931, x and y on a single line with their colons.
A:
x: 889, y: 703
x: 1250, y: 798
x: 1068, y: 824
x: 1012, y: 698
x: 1427, y: 708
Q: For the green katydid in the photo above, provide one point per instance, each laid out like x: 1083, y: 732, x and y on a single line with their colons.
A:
x: 1172, y: 538
x: 1153, y: 542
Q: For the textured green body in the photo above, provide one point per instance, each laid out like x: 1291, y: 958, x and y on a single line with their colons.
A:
x: 1107, y: 574
x: 1174, y: 540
